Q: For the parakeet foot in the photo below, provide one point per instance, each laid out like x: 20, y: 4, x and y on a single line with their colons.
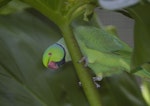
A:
x: 97, y: 85
x: 94, y: 79
x: 85, y: 60
x: 80, y: 84
x: 97, y: 79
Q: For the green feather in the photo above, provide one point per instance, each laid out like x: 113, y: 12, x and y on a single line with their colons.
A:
x: 99, y: 39
x: 106, y: 53
x: 53, y: 53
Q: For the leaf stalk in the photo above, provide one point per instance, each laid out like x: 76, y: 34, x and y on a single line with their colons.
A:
x: 88, y: 85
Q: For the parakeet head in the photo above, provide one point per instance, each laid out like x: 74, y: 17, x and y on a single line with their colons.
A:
x: 54, y: 56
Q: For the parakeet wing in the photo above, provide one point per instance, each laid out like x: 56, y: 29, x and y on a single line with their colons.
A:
x: 101, y: 63
x: 99, y: 39
x: 105, y: 52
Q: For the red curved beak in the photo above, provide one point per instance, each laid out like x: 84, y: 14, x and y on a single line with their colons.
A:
x: 53, y: 65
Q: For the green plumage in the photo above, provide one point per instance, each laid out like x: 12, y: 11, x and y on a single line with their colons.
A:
x: 53, y: 53
x: 99, y: 39
x: 105, y: 52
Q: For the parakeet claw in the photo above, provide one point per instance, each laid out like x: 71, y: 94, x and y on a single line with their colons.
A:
x: 84, y: 59
x: 97, y: 85
x: 97, y: 79
x: 94, y: 79
x: 80, y: 84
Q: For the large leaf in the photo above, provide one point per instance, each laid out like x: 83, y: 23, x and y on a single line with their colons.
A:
x: 23, y: 79
x: 12, y: 7
x: 141, y: 15
x: 121, y: 90
x: 25, y: 82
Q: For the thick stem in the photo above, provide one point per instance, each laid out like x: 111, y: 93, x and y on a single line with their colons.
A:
x: 89, y: 88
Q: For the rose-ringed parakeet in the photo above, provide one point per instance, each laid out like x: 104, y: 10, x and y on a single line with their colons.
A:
x: 105, y: 53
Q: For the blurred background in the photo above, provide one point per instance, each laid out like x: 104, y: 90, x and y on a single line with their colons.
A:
x: 123, y: 24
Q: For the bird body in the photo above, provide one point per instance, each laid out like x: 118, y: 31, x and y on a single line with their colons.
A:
x: 105, y: 52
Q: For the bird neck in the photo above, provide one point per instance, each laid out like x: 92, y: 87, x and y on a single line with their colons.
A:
x: 63, y: 44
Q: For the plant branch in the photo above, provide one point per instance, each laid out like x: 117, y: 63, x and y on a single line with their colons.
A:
x: 62, y: 18
x: 88, y: 85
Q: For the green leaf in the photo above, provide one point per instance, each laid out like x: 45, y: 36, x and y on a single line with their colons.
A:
x: 12, y: 7
x: 141, y: 15
x: 25, y: 82
x: 23, y: 79
x: 146, y: 91
x: 122, y: 90
x: 63, y: 11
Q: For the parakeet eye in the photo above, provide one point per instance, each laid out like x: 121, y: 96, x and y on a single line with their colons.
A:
x: 49, y: 54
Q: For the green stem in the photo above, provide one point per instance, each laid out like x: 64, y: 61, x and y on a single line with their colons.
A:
x: 89, y: 88
x: 146, y: 91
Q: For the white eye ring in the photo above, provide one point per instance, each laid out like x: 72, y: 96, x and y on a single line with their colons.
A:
x: 116, y: 4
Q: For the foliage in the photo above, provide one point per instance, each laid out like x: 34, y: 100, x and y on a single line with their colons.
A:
x: 23, y: 38
x: 141, y: 34
x: 12, y: 6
